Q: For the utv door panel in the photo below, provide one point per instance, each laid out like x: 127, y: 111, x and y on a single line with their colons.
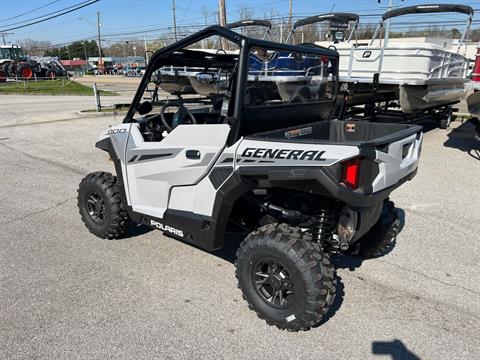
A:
x: 182, y: 158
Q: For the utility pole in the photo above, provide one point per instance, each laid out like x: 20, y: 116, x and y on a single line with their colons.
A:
x: 174, y: 21
x: 281, y: 31
x: 100, y: 60
x: 3, y: 36
x: 222, y: 19
x: 146, y: 50
x: 84, y: 50
x: 290, y: 13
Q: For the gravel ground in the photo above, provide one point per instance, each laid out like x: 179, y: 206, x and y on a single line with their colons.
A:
x: 64, y: 294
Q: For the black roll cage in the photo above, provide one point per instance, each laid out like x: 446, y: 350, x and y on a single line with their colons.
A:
x: 245, y: 44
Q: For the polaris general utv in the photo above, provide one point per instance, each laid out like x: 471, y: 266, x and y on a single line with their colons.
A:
x: 260, y: 155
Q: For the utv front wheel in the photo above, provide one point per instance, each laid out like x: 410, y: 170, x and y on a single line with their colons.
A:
x: 285, y: 278
x: 101, y: 206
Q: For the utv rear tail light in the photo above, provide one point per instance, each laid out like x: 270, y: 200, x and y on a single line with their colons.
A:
x: 350, y: 173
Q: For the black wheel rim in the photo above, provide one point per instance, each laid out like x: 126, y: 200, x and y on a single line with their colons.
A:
x: 96, y: 208
x: 273, y: 283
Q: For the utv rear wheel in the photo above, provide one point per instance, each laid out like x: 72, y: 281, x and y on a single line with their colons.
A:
x: 101, y: 206
x: 381, y: 238
x: 285, y: 278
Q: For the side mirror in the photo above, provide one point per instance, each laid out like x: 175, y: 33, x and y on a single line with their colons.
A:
x: 144, y: 107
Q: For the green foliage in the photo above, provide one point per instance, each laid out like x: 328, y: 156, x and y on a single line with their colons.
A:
x: 48, y: 87
x: 75, y: 49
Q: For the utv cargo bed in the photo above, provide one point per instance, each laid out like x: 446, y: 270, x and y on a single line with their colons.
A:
x: 386, y: 155
x: 355, y: 132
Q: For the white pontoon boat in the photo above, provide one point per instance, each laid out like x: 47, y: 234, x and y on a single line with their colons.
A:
x: 421, y: 76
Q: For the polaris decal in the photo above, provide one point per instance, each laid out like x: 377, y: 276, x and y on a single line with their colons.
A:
x: 287, y: 154
x: 166, y: 228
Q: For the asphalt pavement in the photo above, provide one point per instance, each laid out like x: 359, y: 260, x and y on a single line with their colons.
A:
x: 65, y: 294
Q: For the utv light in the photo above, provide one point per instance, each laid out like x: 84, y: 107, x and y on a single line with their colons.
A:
x: 350, y: 173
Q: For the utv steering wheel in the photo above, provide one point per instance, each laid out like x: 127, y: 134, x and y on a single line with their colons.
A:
x: 181, y: 116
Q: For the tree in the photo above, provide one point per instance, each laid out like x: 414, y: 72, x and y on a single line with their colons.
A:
x: 245, y: 12
x: 75, y: 50
x: 34, y: 47
x: 455, y: 33
x: 208, y: 15
x: 366, y: 31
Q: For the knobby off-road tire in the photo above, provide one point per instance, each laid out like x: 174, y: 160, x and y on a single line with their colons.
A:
x: 297, y: 267
x: 101, y: 207
x: 382, y: 236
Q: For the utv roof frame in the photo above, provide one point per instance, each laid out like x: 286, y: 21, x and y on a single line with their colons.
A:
x: 245, y: 44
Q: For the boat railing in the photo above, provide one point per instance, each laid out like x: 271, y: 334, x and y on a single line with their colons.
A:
x: 421, y: 9
x: 448, y: 60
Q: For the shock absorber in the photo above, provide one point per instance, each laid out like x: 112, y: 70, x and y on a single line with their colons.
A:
x: 324, y: 227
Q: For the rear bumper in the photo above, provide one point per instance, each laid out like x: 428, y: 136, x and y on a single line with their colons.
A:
x: 358, y: 199
x: 318, y: 181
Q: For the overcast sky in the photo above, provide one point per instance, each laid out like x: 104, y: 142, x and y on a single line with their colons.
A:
x: 155, y: 16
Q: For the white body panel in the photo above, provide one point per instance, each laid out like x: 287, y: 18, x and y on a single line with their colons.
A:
x: 392, y: 167
x: 200, y: 198
x: 153, y: 168
x: 119, y: 136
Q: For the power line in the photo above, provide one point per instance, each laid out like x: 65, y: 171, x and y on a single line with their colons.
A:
x: 52, y: 17
x: 153, y: 31
x: 186, y: 11
x: 44, y: 15
x: 30, y: 11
